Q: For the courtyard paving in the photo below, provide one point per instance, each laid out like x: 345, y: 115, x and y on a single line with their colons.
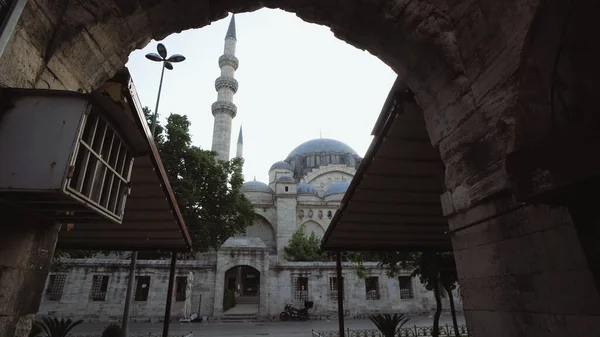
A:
x: 271, y: 329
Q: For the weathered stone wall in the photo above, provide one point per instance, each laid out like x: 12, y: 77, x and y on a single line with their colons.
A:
x: 208, y: 287
x: 355, y: 302
x: 26, y: 249
x: 535, y: 272
x: 76, y: 298
x: 286, y: 221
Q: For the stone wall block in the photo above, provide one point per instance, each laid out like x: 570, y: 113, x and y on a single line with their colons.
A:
x: 20, y: 63
x: 564, y: 249
x: 504, y: 293
x: 567, y: 292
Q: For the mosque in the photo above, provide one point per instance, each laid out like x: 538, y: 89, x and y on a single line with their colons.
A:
x: 303, y: 192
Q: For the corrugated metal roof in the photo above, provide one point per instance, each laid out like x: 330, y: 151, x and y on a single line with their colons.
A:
x: 393, y: 202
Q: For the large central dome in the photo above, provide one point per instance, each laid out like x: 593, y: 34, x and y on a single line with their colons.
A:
x: 321, y: 145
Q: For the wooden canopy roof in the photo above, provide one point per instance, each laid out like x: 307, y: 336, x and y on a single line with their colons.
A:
x: 152, y: 220
x: 393, y: 202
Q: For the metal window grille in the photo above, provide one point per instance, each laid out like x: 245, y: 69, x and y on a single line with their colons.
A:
x: 372, y: 288
x: 333, y: 288
x: 56, y: 284
x: 301, y: 288
x: 180, y: 286
x: 99, y: 288
x: 142, y: 286
x: 102, y: 168
x: 406, y: 290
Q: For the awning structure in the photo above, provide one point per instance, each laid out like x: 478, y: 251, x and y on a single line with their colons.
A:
x: 152, y: 220
x: 393, y: 202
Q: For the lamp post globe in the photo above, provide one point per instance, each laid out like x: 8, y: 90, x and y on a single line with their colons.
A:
x: 167, y: 62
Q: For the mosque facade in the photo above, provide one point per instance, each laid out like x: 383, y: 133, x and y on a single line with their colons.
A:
x: 303, y: 193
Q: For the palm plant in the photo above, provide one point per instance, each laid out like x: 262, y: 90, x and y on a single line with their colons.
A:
x: 388, y: 324
x: 53, y: 327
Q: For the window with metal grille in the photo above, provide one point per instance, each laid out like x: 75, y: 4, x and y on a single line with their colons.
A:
x: 142, y: 286
x: 102, y: 168
x: 372, y: 287
x: 300, y: 287
x: 180, y: 286
x: 99, y: 287
x: 56, y: 284
x: 333, y: 288
x: 406, y: 289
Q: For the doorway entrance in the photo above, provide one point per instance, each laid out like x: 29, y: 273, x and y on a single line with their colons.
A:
x: 243, y: 284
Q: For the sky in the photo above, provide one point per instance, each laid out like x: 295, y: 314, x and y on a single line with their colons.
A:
x: 297, y: 82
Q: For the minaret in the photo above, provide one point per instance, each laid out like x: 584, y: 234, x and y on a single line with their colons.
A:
x: 223, y: 109
x: 240, y: 145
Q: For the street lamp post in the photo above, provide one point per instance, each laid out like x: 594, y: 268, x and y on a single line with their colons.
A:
x: 166, y: 63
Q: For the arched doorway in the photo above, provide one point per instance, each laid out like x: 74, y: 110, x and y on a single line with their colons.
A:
x: 241, y: 290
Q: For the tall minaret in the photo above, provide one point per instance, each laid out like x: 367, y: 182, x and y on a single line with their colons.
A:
x: 223, y: 109
x: 240, y: 145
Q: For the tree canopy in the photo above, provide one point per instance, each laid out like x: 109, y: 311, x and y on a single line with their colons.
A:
x: 303, y: 248
x: 208, y: 190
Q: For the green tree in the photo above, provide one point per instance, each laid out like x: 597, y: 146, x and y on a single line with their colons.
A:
x: 208, y: 190
x: 303, y: 248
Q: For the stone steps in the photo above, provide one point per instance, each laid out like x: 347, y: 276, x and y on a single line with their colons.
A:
x: 238, y: 318
x: 246, y: 300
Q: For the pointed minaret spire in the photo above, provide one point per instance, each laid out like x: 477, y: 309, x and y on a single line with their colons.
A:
x: 240, y: 145
x: 226, y: 85
x: 231, y: 29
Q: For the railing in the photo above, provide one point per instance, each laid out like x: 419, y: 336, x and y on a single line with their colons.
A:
x: 415, y: 331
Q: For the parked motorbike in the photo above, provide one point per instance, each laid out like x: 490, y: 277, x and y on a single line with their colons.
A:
x: 289, y: 312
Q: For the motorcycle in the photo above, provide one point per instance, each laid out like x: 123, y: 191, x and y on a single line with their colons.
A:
x: 289, y: 312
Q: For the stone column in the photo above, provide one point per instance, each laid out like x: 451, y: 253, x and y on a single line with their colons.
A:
x: 523, y: 271
x: 26, y: 249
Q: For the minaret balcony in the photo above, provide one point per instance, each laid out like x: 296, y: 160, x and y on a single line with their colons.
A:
x: 224, y: 107
x: 229, y: 60
x: 226, y: 82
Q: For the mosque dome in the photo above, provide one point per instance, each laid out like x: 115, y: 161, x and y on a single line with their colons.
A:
x: 286, y: 179
x: 306, y: 189
x: 321, y: 145
x: 282, y: 165
x: 256, y: 186
x: 337, y: 188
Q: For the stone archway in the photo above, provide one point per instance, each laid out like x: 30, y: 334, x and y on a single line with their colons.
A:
x: 243, y: 283
x: 475, y: 69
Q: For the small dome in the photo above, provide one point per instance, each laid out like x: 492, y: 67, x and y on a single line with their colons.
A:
x: 321, y: 145
x: 306, y: 189
x: 256, y: 186
x: 282, y: 165
x: 286, y: 179
x: 338, y: 188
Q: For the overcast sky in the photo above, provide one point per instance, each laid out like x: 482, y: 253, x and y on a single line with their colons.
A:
x: 296, y: 81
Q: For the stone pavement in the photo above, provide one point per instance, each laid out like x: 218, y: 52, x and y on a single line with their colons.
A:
x: 271, y: 329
